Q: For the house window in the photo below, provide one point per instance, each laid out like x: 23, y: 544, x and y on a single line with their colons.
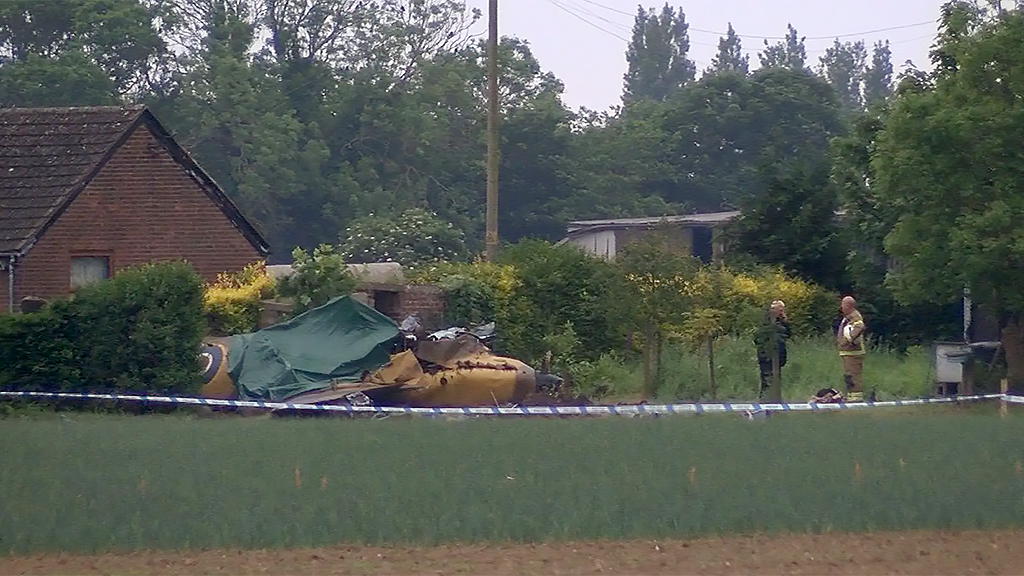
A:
x: 87, y: 270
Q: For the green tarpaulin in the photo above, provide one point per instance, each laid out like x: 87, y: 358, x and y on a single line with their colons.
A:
x: 338, y: 340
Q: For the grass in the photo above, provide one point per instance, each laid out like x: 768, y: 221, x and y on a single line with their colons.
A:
x: 812, y: 364
x: 92, y: 483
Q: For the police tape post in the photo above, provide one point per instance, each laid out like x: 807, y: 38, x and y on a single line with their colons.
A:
x: 594, y: 410
x: 1004, y: 386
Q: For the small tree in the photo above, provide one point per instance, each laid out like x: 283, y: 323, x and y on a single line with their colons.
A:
x: 657, y: 276
x: 702, y: 327
x: 316, y: 278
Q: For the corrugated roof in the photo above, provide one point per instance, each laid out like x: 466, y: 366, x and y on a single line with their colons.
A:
x: 706, y: 218
x: 48, y: 155
x: 45, y: 155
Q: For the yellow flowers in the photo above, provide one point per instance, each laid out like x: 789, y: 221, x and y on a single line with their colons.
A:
x: 717, y: 300
x: 232, y: 302
x: 756, y: 290
x: 770, y: 286
x: 745, y: 286
x: 502, y: 278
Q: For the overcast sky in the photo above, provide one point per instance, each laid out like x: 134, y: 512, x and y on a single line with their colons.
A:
x: 583, y: 42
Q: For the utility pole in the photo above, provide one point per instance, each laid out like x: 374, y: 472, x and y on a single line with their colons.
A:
x: 491, y: 237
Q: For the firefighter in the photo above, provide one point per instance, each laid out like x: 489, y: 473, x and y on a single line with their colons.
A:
x: 850, y: 341
x: 771, y: 342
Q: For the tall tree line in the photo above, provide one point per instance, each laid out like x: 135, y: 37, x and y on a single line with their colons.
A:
x: 313, y: 114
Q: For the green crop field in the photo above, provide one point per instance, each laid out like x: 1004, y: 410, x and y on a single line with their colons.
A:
x: 85, y: 482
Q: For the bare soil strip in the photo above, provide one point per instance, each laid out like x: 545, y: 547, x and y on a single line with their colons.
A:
x: 921, y: 552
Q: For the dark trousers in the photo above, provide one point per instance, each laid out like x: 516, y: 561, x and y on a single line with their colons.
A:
x: 766, y: 375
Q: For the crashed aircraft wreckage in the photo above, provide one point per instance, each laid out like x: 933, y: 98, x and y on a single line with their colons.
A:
x: 346, y: 352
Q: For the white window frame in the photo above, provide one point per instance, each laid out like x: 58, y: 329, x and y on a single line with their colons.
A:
x: 89, y: 269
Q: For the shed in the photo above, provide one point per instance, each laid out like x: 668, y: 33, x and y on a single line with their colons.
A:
x: 697, y: 234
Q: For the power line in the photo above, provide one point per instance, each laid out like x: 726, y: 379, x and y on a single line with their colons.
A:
x: 754, y: 37
x: 561, y: 6
x: 570, y: 10
x: 588, y: 12
x: 619, y: 25
x: 606, y: 31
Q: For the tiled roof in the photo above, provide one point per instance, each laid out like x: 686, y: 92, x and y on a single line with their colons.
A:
x: 47, y: 155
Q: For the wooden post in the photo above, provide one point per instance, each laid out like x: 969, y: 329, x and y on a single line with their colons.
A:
x: 967, y: 379
x: 711, y: 367
x: 658, y: 372
x: 648, y: 357
x: 491, y: 215
x: 1004, y: 387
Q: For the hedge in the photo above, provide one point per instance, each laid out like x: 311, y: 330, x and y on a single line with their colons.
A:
x: 141, y: 330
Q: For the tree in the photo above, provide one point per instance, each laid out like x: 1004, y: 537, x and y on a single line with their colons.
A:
x: 878, y: 76
x: 77, y: 51
x: 316, y: 278
x: 657, y: 55
x: 947, y: 164
x: 619, y: 165
x: 535, y: 163
x: 68, y: 79
x: 789, y: 53
x: 730, y: 55
x: 844, y: 66
x: 656, y: 277
x: 244, y: 132
x: 713, y: 133
x: 865, y: 223
x: 792, y: 221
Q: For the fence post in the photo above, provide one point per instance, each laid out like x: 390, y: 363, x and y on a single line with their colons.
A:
x: 1004, y: 387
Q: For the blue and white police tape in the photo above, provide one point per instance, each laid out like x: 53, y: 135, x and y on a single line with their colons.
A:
x: 597, y: 410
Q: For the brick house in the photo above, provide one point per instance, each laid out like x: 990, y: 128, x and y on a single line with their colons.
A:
x: 86, y: 191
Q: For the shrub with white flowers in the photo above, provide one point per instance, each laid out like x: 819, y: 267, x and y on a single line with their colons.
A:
x: 413, y: 238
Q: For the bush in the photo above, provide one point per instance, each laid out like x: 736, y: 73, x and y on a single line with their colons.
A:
x: 479, y: 293
x: 416, y: 237
x: 38, y: 352
x: 610, y: 378
x: 809, y: 307
x: 141, y: 330
x: 316, y: 278
x: 563, y: 287
x: 232, y: 302
x: 542, y: 295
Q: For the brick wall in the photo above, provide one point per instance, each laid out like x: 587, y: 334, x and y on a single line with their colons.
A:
x: 427, y: 300
x: 141, y: 207
x: 397, y: 302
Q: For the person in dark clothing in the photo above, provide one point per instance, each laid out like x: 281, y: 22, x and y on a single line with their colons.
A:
x: 770, y: 340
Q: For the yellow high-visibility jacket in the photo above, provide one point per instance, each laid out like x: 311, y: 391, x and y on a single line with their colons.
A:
x: 855, y: 345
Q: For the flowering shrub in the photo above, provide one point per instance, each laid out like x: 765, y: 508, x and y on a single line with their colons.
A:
x: 808, y: 306
x: 414, y: 238
x: 232, y: 302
